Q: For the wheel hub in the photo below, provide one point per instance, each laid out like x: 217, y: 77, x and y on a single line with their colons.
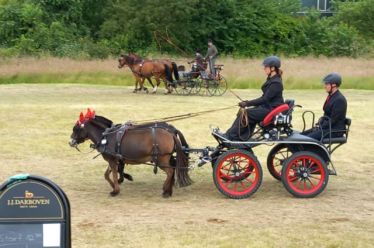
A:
x: 303, y: 172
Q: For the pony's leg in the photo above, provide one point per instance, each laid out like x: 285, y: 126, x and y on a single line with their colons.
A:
x: 107, y: 177
x: 136, y: 84
x: 114, y: 168
x: 122, y: 174
x: 169, y: 182
x: 142, y: 84
x: 167, y: 86
x: 157, y: 84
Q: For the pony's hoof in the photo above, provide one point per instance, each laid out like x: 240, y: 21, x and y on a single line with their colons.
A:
x: 135, y: 91
x: 166, y: 195
x: 114, y: 193
x: 121, y: 180
x: 128, y: 177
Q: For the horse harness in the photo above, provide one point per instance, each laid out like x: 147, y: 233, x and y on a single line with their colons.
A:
x: 120, y: 132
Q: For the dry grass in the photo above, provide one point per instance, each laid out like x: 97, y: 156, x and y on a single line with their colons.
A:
x: 238, y: 68
x: 241, y: 73
x: 35, y: 127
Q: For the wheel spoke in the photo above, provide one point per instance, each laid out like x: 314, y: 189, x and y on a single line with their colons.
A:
x: 311, y: 183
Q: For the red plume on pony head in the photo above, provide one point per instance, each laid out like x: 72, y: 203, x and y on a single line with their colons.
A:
x: 81, y: 118
x: 90, y: 114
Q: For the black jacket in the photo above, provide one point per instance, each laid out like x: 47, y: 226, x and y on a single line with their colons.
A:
x: 272, y: 94
x: 336, y: 109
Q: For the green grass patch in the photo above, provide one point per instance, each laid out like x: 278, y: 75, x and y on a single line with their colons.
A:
x: 99, y: 78
x: 363, y: 83
x: 103, y: 78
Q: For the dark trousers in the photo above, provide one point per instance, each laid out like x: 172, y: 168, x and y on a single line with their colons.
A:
x: 316, y: 133
x: 238, y: 132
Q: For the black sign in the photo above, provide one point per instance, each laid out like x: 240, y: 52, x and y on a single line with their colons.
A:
x: 34, y: 212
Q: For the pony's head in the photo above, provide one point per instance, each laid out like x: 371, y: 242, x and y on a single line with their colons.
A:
x: 80, y: 134
x: 125, y: 60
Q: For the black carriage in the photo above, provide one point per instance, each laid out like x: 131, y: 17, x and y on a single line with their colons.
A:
x: 302, y: 164
x: 197, y: 82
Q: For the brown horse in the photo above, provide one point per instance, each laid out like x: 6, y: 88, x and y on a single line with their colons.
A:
x: 139, y: 79
x: 172, y: 65
x: 143, y: 68
x: 159, y: 143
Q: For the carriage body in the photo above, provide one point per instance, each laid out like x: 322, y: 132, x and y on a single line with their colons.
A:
x: 199, y: 82
x: 302, y: 164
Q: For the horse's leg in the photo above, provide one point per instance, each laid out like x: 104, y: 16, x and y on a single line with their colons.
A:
x: 128, y: 177
x: 106, y: 176
x: 167, y: 85
x: 142, y: 84
x: 121, y: 168
x: 157, y: 84
x: 122, y: 174
x: 136, y: 84
x: 114, y: 167
x: 169, y: 182
x: 150, y: 82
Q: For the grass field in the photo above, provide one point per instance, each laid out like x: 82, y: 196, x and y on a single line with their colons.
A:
x: 35, y: 125
x: 299, y: 73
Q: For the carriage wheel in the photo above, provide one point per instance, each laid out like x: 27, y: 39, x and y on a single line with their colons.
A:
x: 195, y: 85
x: 237, y: 174
x: 305, y: 174
x: 182, y: 88
x: 275, y: 159
x: 219, y: 86
x: 205, y: 85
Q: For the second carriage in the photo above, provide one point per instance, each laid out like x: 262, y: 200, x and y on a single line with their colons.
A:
x: 200, y: 82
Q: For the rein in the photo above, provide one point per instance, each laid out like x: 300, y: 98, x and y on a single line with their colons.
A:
x: 180, y: 117
x: 92, y: 146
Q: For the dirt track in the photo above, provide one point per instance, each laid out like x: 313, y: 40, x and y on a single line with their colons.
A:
x: 36, y: 124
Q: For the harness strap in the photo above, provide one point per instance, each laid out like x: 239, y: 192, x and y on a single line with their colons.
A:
x: 155, y: 150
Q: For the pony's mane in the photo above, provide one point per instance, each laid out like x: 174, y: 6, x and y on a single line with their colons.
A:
x: 104, y: 120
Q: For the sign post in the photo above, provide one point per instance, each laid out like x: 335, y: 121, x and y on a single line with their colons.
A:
x: 34, y: 213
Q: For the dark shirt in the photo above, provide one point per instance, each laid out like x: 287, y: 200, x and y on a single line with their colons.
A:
x: 272, y: 95
x: 199, y: 62
x: 335, y: 108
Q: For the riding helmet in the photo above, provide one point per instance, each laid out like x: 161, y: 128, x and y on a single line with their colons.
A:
x: 272, y: 61
x: 332, y: 78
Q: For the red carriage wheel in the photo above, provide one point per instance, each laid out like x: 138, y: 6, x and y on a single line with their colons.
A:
x: 305, y: 174
x: 277, y: 155
x: 237, y: 174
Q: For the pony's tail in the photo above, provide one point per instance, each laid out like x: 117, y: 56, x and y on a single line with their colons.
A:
x: 181, y: 170
x: 175, y: 70
x: 183, y: 141
x: 168, y: 73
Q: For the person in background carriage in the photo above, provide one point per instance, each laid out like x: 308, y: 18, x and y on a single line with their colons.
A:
x: 198, y: 66
x: 335, y: 108
x: 211, y: 57
x: 199, y: 60
x: 271, y: 98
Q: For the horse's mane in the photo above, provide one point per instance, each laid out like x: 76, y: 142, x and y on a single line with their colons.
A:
x: 104, y: 120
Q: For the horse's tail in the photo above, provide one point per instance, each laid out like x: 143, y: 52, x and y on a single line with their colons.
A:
x: 181, y: 170
x: 183, y: 141
x: 168, y: 75
x: 175, y: 70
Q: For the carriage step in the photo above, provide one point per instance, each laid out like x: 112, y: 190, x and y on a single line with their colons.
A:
x: 204, y: 160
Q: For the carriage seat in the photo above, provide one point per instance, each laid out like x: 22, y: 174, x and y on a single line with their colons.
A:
x: 270, y: 117
x: 340, y: 140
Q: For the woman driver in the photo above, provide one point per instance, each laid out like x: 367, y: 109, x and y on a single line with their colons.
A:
x: 271, y: 98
